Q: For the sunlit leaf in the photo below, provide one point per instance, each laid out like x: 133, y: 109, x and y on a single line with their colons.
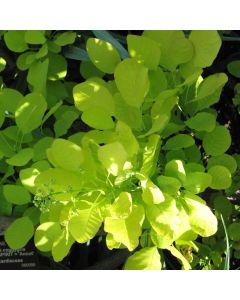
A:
x: 30, y: 111
x: 126, y: 231
x: 201, y: 218
x: 144, y: 259
x: 92, y: 94
x: 103, y: 55
x: 97, y: 117
x: 206, y: 46
x: 65, y: 154
x: 132, y: 81
x: 175, y: 48
x: 145, y: 50
x: 86, y: 223
x: 113, y: 157
x: 45, y: 235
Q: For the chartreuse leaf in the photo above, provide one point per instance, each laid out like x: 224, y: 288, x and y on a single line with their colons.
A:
x: 41, y: 165
x: 61, y: 246
x: 122, y: 206
x: 187, y: 195
x: 158, y: 82
x: 106, y: 36
x: 37, y: 76
x: 164, y: 221
x: 19, y: 233
x: 221, y: 177
x: 27, y: 177
x: 132, y: 81
x: 175, y: 168
x: 126, y: 230
x: 9, y: 99
x: 150, y: 155
x: 16, y: 194
x: 161, y: 112
x: 224, y: 160
x: 34, y: 37
x: 201, y: 218
x: 130, y: 115
x: 103, y: 55
x: 66, y: 155
x: 63, y: 124
x: 217, y: 141
x: 151, y: 194
x: 21, y: 158
x: 206, y: 46
x: 202, y: 121
x: 168, y: 184
x: 97, y: 117
x: 178, y: 255
x: 111, y: 243
x: 112, y: 156
x: 65, y: 38
x: 175, y: 48
x: 14, y: 40
x: 145, y: 50
x: 145, y: 259
x: 234, y: 68
x: 234, y: 231
x: 84, y: 226
x: 97, y: 136
x: 63, y: 183
x: 179, y: 141
x: 209, y: 90
x: 197, y: 182
x: 46, y: 234
x: 51, y: 111
x: 30, y: 111
x: 93, y: 94
x: 127, y: 138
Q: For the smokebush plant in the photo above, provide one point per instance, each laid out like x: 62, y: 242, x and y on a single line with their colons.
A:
x: 152, y: 148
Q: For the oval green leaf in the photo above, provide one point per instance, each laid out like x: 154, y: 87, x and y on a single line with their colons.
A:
x: 104, y: 56
x: 19, y: 233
